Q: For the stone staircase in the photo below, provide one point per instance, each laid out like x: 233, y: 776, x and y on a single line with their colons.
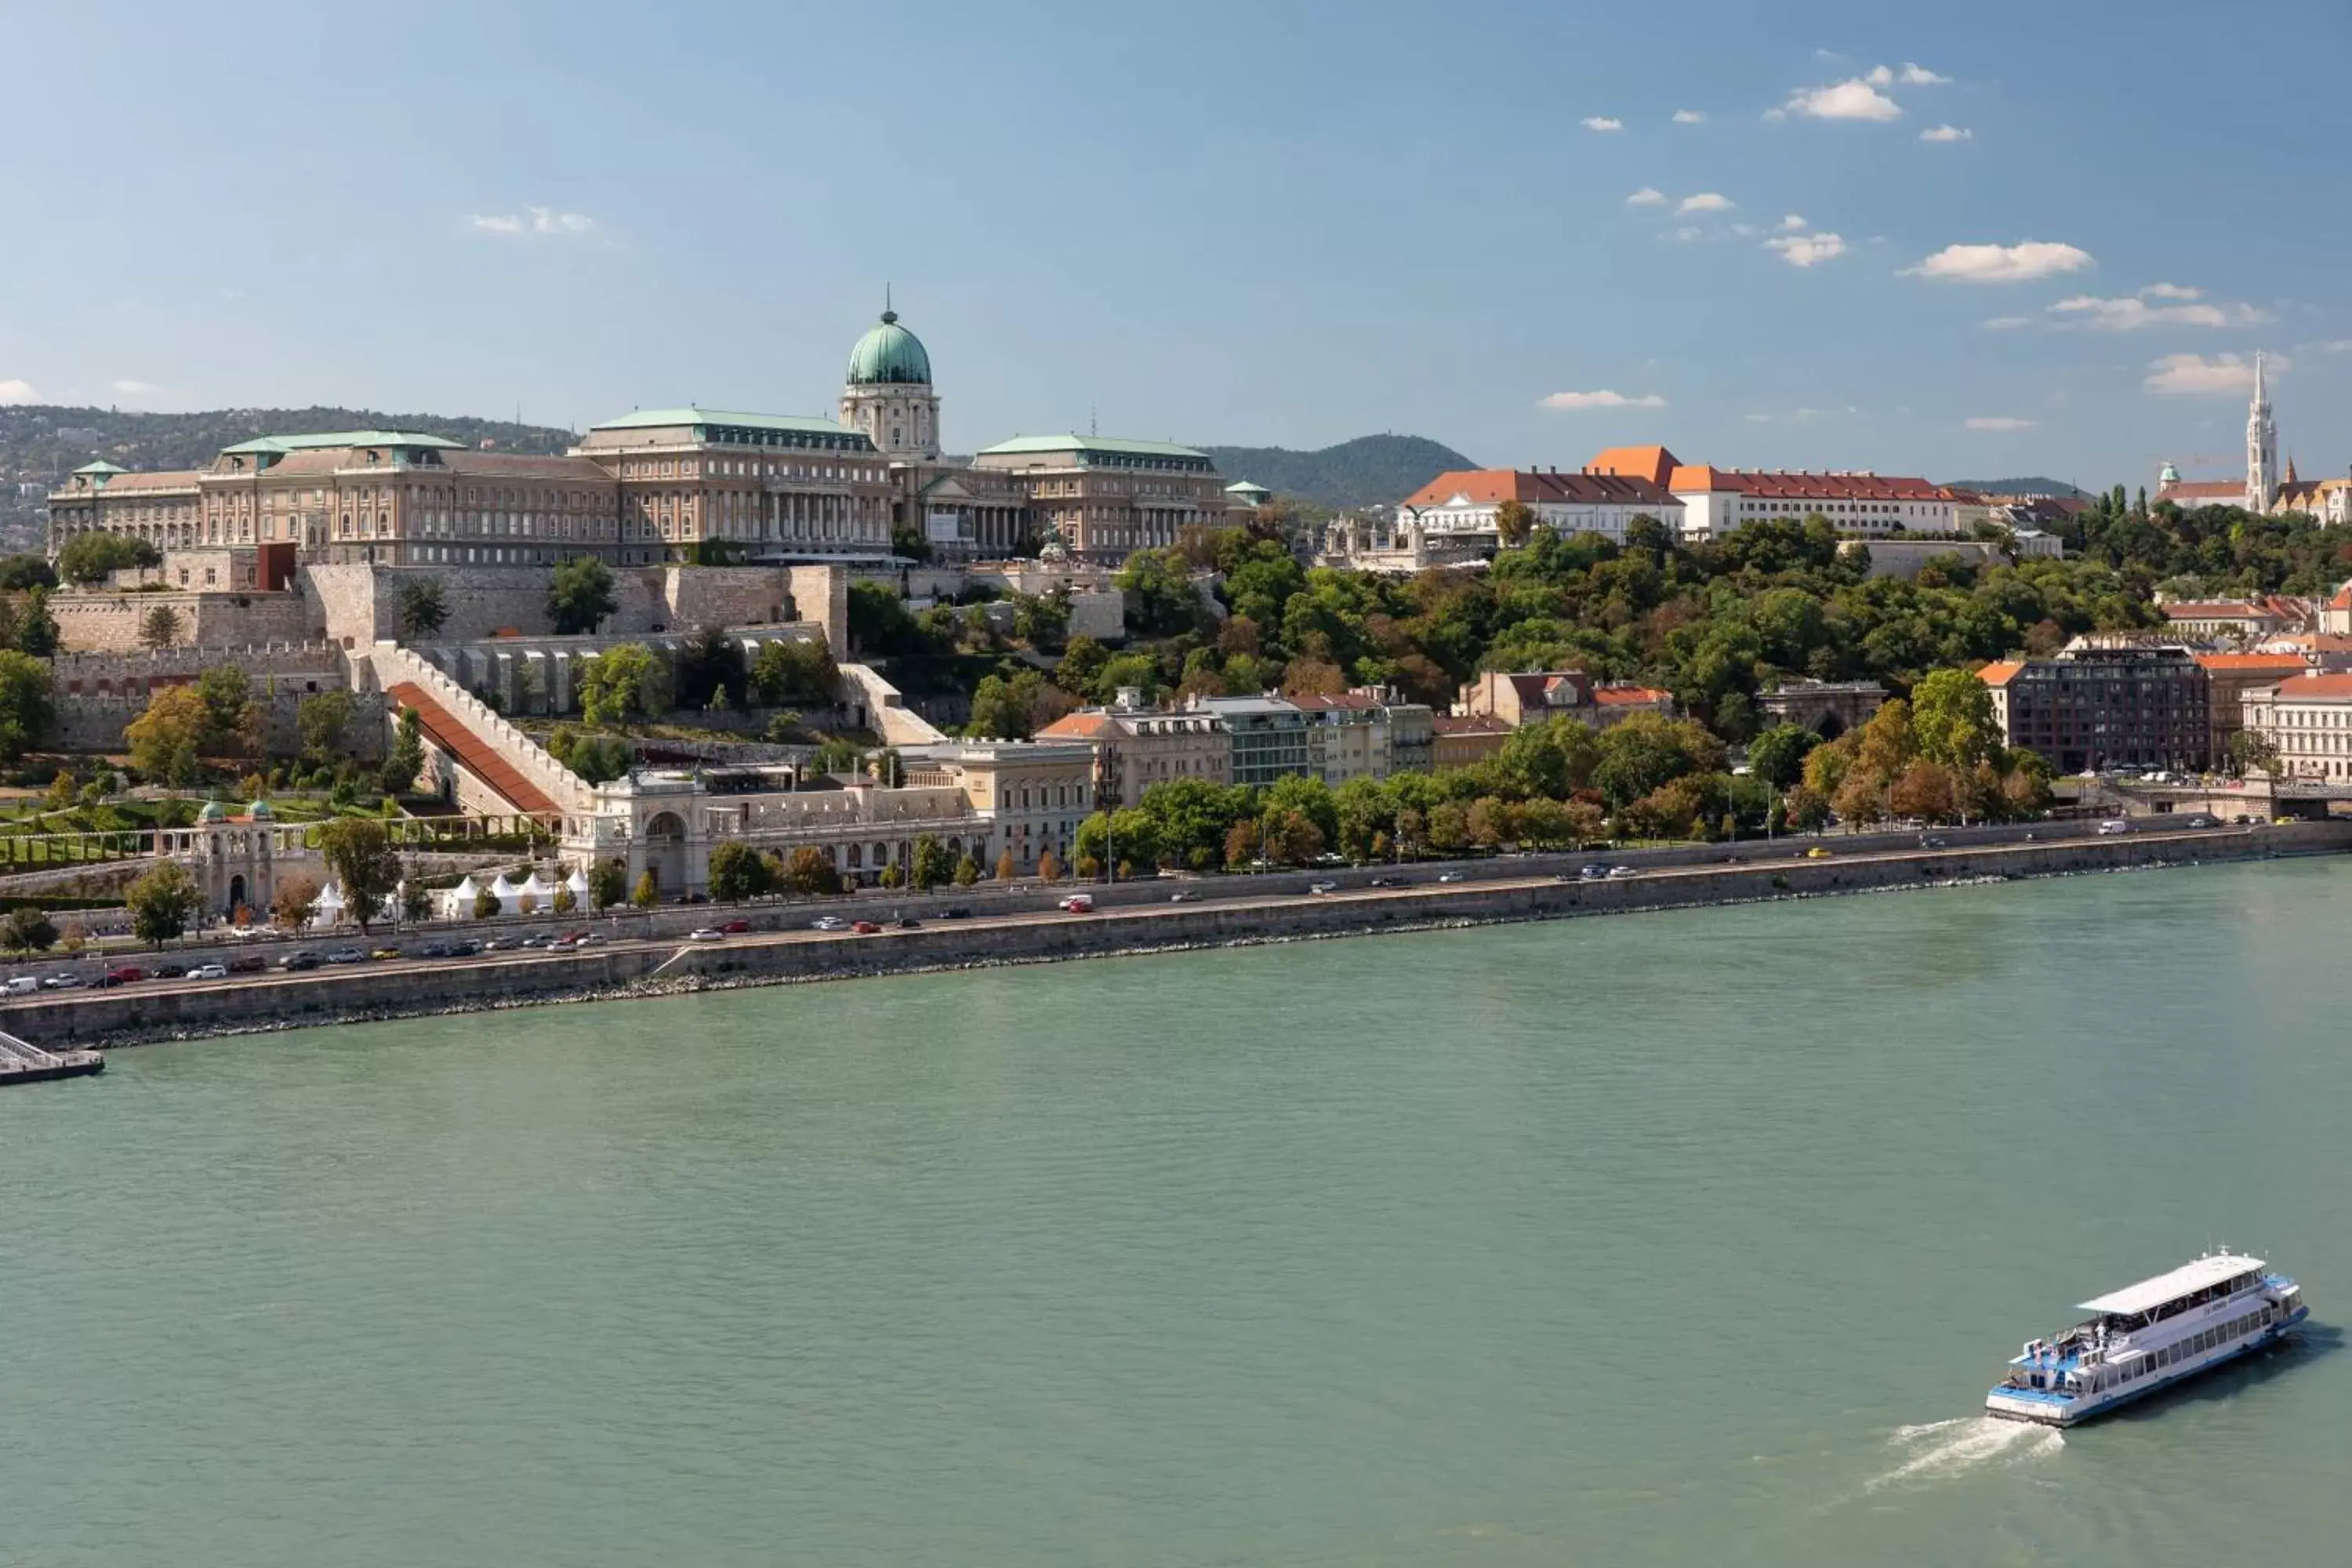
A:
x: 505, y: 761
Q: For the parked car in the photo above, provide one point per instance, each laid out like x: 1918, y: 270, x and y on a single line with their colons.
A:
x: 1320, y: 889
x: 706, y: 934
x: 467, y: 949
x: 2114, y: 827
x: 1593, y: 873
x: 1449, y: 875
x: 2200, y: 819
x: 1821, y: 852
x: 386, y: 952
x: 909, y: 922
x: 438, y: 950
x: 735, y: 927
x: 827, y: 922
x: 347, y: 955
x: 866, y: 928
x: 1078, y: 904
x: 589, y: 938
x: 209, y: 972
x: 247, y: 963
x: 124, y: 974
x: 537, y: 939
x: 955, y: 913
x: 499, y: 944
x: 563, y: 944
x: 1930, y: 841
x: 63, y: 980
x: 1182, y: 896
x: 167, y: 969
x: 1619, y: 873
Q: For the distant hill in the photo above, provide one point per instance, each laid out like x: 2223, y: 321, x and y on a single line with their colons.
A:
x: 41, y: 444
x: 1370, y: 470
x: 2034, y: 486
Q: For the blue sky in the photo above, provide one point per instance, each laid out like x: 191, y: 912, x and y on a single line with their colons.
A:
x: 1263, y: 223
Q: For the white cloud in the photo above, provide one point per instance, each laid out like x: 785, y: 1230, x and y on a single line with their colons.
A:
x: 1791, y: 223
x: 1647, y: 197
x: 2170, y: 291
x: 2019, y: 263
x: 1602, y: 122
x: 135, y: 388
x: 16, y: 389
x: 2000, y: 422
x: 2333, y: 346
x: 2008, y: 323
x: 1805, y: 249
x: 1690, y: 117
x: 1684, y: 235
x: 2132, y: 313
x: 1745, y: 230
x: 1880, y: 76
x: 531, y: 221
x: 1706, y: 202
x: 1947, y: 133
x: 2195, y: 373
x: 1921, y: 76
x: 1855, y: 99
x: 1604, y: 399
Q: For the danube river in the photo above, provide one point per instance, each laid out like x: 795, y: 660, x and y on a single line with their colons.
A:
x: 1662, y: 1239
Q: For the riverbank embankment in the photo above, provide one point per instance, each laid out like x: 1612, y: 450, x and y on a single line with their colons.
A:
x: 128, y: 1015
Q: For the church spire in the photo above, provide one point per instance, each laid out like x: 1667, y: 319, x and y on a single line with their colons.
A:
x: 2261, y: 445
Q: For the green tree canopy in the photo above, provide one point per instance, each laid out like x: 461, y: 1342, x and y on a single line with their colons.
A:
x: 627, y: 684
x: 360, y: 855
x: 580, y: 596
x: 163, y: 903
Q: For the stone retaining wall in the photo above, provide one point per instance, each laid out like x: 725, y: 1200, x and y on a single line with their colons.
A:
x: 393, y: 989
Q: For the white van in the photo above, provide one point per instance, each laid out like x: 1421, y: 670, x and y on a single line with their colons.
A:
x: 20, y: 983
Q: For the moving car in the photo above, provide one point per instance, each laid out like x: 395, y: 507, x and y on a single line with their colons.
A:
x: 909, y: 922
x: 2113, y: 828
x: 1593, y: 873
x: 955, y: 913
x: 706, y: 934
x: 209, y: 972
x: 20, y: 983
x: 1449, y: 875
x: 499, y: 944
x: 304, y: 960
x: 1078, y: 904
x: 1186, y: 897
x: 1619, y: 873
x: 1930, y: 841
x: 347, y: 955
x: 866, y: 928
x: 1818, y: 852
x: 124, y: 974
x: 247, y: 963
x: 63, y: 980
x: 2200, y: 819
x: 386, y: 952
x: 1320, y: 889
x: 732, y: 928
x: 827, y: 922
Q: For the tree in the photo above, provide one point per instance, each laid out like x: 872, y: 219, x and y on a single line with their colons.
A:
x: 1807, y: 811
x: 231, y: 716
x: 1952, y: 719
x: 406, y: 758
x: 627, y: 683
x: 1290, y: 836
x: 795, y: 673
x: 61, y: 791
x: 159, y: 627
x: 1923, y: 791
x: 19, y: 572
x: 607, y: 882
x: 737, y: 872
x: 712, y: 672
x: 1515, y: 520
x: 1049, y: 866
x: 321, y: 721
x: 1242, y: 844
x: 890, y: 878
x: 415, y: 900
x: 647, y: 892
x: 967, y: 871
x: 598, y: 758
x: 580, y: 596
x: 360, y: 855
x: 37, y: 628
x: 167, y: 739
x: 293, y: 900
x: 2251, y: 749
x: 28, y: 931
x: 485, y: 904
x: 28, y: 704
x: 1006, y: 867
x: 162, y: 902
x: 1778, y: 755
x: 808, y: 873
x: 88, y: 558
x: 932, y: 865
x: 423, y: 608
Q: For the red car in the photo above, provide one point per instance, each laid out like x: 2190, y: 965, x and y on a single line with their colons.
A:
x: 866, y: 928
x: 128, y: 975
x: 736, y: 928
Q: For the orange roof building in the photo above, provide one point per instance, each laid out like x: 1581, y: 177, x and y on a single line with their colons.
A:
x: 1460, y: 507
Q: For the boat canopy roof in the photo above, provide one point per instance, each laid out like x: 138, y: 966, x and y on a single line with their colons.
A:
x: 2186, y: 1280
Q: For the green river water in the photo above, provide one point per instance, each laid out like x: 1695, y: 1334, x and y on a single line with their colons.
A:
x: 1685, y: 1239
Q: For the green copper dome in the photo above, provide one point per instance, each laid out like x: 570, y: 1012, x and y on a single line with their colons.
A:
x: 888, y: 356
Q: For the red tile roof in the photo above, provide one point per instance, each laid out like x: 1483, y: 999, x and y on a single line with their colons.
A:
x: 2286, y: 663
x: 2216, y: 610
x: 2202, y: 492
x: 1486, y: 486
x: 1080, y: 727
x: 1626, y: 696
x: 1469, y: 724
x: 1775, y: 484
x: 2315, y: 688
x: 1654, y: 464
x: 2001, y: 672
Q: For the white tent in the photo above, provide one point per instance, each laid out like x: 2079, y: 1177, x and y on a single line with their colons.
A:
x: 328, y: 908
x: 538, y: 890
x: 578, y: 883
x: 509, y: 894
x: 457, y: 903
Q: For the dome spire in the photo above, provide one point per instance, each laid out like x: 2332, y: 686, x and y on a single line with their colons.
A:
x: 888, y: 314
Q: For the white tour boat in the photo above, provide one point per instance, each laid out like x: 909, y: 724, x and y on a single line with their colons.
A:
x: 2149, y: 1336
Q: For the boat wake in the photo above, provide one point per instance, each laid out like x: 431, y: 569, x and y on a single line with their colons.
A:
x: 1943, y: 1450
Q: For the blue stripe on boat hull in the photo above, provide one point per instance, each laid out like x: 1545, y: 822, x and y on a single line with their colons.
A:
x: 2067, y: 1412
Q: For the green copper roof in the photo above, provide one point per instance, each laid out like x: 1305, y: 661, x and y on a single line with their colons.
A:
x: 890, y: 355
x: 1111, y: 444
x: 102, y: 466
x: 328, y: 440
x: 661, y: 418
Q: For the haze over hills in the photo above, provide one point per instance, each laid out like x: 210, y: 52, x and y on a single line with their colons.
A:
x: 1370, y: 470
